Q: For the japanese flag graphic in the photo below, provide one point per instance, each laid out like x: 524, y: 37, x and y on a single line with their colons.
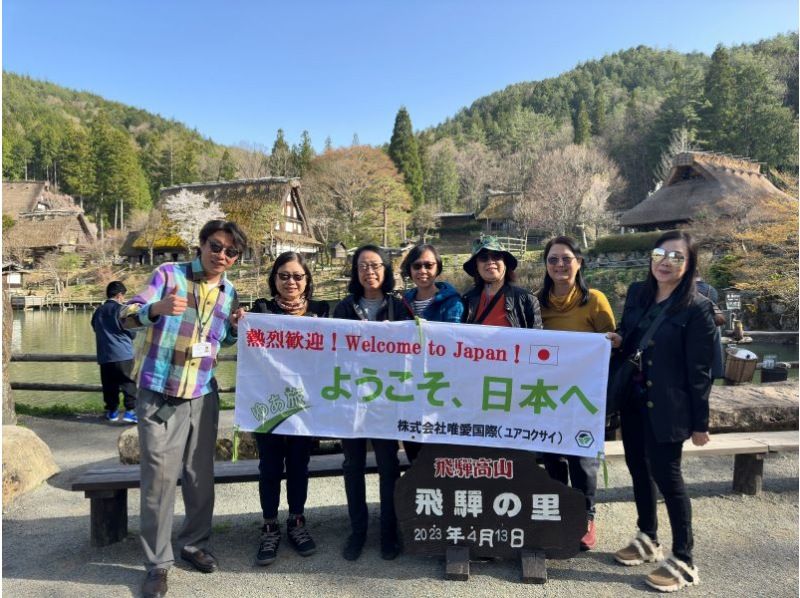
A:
x: 544, y: 355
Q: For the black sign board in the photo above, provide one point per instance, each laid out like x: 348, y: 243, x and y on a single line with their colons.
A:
x: 493, y: 502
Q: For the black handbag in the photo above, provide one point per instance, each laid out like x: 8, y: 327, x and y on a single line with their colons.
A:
x: 622, y: 369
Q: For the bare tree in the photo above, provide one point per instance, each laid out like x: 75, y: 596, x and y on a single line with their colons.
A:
x: 251, y: 159
x: 568, y: 188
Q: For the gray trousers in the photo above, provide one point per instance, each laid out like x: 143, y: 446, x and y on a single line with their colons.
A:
x: 183, y: 446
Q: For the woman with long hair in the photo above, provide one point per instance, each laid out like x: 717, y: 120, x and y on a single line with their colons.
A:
x: 370, y: 299
x: 291, y: 287
x: 668, y: 402
x: 430, y: 299
x: 567, y: 303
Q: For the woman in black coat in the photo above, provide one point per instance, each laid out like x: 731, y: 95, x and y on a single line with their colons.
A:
x: 370, y: 299
x: 668, y: 402
x: 291, y: 286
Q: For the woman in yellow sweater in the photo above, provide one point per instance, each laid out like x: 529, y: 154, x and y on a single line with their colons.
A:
x: 568, y: 304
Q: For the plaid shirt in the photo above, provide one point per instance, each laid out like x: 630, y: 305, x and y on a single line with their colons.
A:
x: 163, y: 361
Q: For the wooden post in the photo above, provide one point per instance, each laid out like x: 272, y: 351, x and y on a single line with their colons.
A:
x: 457, y: 563
x: 534, y: 566
x: 748, y: 473
x: 108, y: 516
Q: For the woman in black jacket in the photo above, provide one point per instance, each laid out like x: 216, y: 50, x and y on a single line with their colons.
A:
x: 370, y: 299
x: 291, y: 286
x: 494, y: 300
x: 668, y: 402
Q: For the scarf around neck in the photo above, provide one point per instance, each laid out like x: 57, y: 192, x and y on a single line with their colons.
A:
x: 565, y: 303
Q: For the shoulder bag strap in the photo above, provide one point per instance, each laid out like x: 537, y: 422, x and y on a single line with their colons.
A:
x: 490, y: 306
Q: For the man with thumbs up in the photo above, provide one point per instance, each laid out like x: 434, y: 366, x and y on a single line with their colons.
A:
x: 187, y: 311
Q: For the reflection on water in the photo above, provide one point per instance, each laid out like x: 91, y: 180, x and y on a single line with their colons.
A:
x: 71, y: 332
x: 68, y: 332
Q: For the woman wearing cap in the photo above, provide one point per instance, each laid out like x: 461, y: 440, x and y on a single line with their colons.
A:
x: 668, y: 403
x: 493, y: 300
x: 429, y: 299
x: 370, y: 299
x: 291, y: 287
x: 568, y: 304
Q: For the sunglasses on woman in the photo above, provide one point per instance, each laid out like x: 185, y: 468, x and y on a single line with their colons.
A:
x: 230, y: 252
x: 296, y: 276
x: 674, y: 257
x: 485, y: 256
x: 421, y: 265
x: 564, y: 259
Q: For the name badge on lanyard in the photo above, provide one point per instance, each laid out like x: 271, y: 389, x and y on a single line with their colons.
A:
x: 201, y: 350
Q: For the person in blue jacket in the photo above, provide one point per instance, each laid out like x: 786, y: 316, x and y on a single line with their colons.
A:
x: 115, y: 355
x: 429, y: 299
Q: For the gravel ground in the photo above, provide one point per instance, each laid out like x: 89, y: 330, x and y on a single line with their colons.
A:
x: 745, y: 546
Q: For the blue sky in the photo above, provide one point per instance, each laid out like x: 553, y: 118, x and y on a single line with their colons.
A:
x: 239, y: 70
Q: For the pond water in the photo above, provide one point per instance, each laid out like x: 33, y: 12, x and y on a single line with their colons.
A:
x: 70, y: 332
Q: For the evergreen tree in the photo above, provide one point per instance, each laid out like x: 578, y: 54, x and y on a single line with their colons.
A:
x: 583, y: 126
x: 599, y: 112
x: 77, y: 164
x: 328, y: 144
x: 720, y: 93
x: 303, y: 154
x: 442, y: 182
x: 187, y: 167
x: 227, y: 167
x: 118, y: 173
x: 281, y: 157
x: 404, y: 153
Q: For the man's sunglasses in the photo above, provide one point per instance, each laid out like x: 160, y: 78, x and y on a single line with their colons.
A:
x: 675, y: 257
x: 296, y: 276
x: 230, y: 252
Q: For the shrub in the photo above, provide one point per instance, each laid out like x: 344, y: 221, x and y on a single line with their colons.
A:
x: 625, y: 243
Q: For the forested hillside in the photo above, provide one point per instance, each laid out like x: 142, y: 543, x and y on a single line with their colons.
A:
x: 633, y: 105
x: 619, y: 119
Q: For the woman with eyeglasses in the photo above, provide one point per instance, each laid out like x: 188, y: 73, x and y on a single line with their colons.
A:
x: 430, y: 299
x: 291, y: 286
x: 567, y: 303
x: 370, y: 300
x: 493, y: 300
x: 668, y: 403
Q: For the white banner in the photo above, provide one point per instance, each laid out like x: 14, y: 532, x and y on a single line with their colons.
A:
x: 525, y: 389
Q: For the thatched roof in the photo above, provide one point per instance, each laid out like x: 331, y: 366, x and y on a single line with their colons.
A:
x: 241, y: 197
x: 702, y: 182
x: 500, y: 206
x: 20, y: 197
x: 54, y: 231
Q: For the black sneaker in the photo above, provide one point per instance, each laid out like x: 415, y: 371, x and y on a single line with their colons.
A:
x: 353, y: 547
x: 298, y: 535
x: 268, y: 544
x: 390, y: 547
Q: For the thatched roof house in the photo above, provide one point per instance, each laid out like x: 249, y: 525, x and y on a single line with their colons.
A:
x: 166, y: 248
x: 25, y: 197
x: 702, y: 183
x: 499, y: 210
x: 270, y: 210
x: 44, y: 220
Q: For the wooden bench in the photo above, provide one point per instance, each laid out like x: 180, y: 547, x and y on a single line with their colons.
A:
x: 748, y: 449
x: 107, y: 488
